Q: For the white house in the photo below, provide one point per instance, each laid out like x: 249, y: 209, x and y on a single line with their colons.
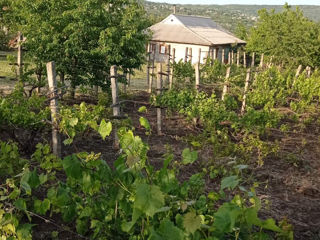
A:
x: 191, y: 38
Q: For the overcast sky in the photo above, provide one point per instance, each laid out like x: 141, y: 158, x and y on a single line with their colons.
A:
x: 258, y: 2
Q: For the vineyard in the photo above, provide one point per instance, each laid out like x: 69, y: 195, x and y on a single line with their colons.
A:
x: 207, y: 151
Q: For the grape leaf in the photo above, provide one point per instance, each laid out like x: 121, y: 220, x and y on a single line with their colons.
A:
x: 229, y: 182
x: 105, y: 129
x: 142, y: 109
x: 191, y: 222
x: 144, y: 123
x: 73, y: 122
x: 149, y: 199
x: 189, y: 156
x: 72, y: 167
x: 167, y: 231
x: 20, y: 204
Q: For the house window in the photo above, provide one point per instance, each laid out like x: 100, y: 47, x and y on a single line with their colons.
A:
x: 162, y: 49
x: 152, y: 47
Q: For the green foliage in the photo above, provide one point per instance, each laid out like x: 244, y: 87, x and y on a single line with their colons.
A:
x: 189, y: 156
x: 288, y: 37
x: 10, y: 161
x: 105, y: 129
x: 84, y: 38
x: 213, y: 71
x: 149, y: 199
x: 229, y: 182
x: 130, y: 201
x: 18, y: 111
x: 183, y: 74
x: 80, y: 118
x: 4, y: 40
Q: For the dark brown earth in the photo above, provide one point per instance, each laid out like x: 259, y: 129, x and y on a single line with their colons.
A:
x: 292, y: 186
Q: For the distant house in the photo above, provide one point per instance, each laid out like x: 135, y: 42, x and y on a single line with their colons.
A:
x: 191, y: 38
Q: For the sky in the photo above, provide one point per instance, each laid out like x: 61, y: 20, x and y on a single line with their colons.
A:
x: 258, y: 2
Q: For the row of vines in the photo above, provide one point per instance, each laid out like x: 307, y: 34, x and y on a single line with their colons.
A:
x: 132, y: 199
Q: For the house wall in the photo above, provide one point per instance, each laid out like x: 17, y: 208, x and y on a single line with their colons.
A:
x: 180, y: 51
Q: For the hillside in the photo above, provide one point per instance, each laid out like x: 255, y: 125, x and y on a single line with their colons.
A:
x: 226, y: 15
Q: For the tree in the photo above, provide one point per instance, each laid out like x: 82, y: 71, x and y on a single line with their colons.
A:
x: 287, y: 36
x: 84, y: 37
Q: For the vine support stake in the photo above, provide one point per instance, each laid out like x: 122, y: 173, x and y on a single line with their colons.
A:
x: 253, y: 59
x: 298, y: 70
x: 244, y: 59
x: 190, y: 55
x: 20, y: 56
x: 197, y: 73
x: 148, y: 67
x: 261, y: 60
x: 238, y: 57
x: 168, y: 82
x: 232, y: 57
x: 206, y: 56
x: 226, y: 84
x: 115, y: 102
x: 159, y: 91
x: 52, y: 81
x: 152, y: 72
x: 186, y: 55
x: 229, y: 57
x: 246, y: 87
x: 308, y: 70
x: 171, y: 69
x: 222, y: 56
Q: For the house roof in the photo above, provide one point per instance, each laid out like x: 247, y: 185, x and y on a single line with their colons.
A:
x: 192, y: 30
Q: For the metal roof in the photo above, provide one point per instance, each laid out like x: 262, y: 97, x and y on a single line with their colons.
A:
x: 192, y: 30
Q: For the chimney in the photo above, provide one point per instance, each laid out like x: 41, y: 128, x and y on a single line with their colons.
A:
x: 174, y: 9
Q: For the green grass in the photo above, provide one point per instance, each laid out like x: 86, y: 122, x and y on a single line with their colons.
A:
x: 139, y: 80
x: 5, y: 68
x: 6, y: 71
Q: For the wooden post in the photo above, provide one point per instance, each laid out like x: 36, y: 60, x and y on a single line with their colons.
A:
x: 253, y: 59
x: 308, y: 70
x: 222, y: 56
x: 215, y: 53
x: 298, y: 71
x: 244, y: 59
x: 199, y: 56
x: 206, y: 56
x: 168, y: 72
x: 152, y: 73
x: 159, y: 90
x: 20, y: 57
x: 197, y: 72
x: 171, y: 70
x: 232, y: 57
x: 261, y: 60
x: 226, y: 84
x: 190, y: 55
x: 246, y: 87
x: 238, y: 57
x: 116, y: 107
x: 186, y: 55
x: 96, y: 90
x: 148, y: 68
x: 52, y: 81
x: 114, y: 88
x: 229, y: 57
